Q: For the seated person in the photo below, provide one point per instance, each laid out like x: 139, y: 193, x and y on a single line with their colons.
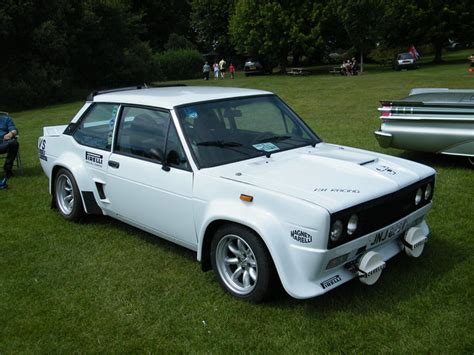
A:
x: 8, y: 142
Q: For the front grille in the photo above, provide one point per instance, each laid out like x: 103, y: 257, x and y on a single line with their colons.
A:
x: 382, y: 211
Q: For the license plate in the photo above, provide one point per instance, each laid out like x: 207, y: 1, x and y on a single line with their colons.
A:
x: 387, y: 234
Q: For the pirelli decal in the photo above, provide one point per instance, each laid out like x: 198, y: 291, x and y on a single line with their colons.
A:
x: 331, y: 282
x: 94, y: 159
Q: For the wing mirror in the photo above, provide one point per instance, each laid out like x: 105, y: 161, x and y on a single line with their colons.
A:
x: 158, y: 155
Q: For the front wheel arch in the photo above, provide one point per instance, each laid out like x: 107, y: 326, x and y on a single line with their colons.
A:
x: 265, y: 277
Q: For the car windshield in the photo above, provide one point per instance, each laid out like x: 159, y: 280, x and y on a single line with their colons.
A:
x: 405, y: 56
x: 226, y: 131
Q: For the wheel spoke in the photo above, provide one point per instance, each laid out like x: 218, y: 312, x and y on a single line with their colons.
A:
x: 234, y: 250
x: 231, y: 261
x: 237, y: 273
x: 246, y: 279
x: 68, y: 199
x: 241, y: 246
x: 253, y: 274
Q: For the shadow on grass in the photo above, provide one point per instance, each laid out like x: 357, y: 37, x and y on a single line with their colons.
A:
x: 403, y: 279
x: 438, y: 160
x: 138, y: 233
x: 29, y: 171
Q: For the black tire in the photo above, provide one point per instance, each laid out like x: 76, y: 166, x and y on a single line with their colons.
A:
x: 247, y: 252
x: 67, y: 196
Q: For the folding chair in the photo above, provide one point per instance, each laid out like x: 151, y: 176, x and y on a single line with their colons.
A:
x: 19, y: 165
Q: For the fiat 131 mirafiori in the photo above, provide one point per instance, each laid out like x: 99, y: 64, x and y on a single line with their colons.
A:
x: 236, y: 176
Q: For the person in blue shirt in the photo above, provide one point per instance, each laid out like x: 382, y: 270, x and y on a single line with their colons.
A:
x: 8, y: 142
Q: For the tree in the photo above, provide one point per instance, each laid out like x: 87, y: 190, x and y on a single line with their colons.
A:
x: 427, y: 21
x: 159, y: 19
x: 273, y: 29
x: 210, y: 22
x: 360, y: 19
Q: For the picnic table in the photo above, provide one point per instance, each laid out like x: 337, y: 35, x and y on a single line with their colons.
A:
x: 335, y: 70
x: 297, y: 71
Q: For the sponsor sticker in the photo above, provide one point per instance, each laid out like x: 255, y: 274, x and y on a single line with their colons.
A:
x: 330, y: 282
x: 385, y: 169
x: 94, y: 159
x: 301, y: 236
x: 42, y: 149
x: 266, y: 147
x: 337, y: 189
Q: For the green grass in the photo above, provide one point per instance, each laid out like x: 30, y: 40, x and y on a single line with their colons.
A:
x: 102, y: 286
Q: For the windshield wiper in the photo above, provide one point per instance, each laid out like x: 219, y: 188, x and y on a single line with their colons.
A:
x: 273, y: 138
x: 220, y: 144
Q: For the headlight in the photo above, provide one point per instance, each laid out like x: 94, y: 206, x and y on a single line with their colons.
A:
x: 428, y: 191
x: 352, y: 224
x: 419, y: 194
x: 336, y: 230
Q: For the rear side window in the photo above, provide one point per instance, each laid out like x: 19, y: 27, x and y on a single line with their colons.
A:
x: 95, y: 129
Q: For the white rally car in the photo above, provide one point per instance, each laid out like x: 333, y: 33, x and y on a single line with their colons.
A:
x: 238, y: 177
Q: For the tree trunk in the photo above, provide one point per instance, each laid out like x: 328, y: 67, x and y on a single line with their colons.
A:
x: 283, y: 60
x: 438, y: 48
x: 361, y: 61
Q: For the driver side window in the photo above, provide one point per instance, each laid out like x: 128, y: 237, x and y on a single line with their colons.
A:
x: 142, y: 132
x: 150, y: 135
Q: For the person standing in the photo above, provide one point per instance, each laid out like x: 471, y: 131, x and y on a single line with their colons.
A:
x: 205, y: 70
x: 232, y: 70
x: 8, y: 142
x: 215, y: 67
x: 222, y: 67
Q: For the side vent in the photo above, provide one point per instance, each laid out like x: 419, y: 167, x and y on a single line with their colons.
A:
x: 100, y: 190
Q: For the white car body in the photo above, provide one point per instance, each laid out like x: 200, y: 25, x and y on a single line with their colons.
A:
x: 296, y: 195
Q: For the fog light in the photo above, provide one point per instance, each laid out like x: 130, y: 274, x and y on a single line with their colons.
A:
x: 428, y: 191
x: 352, y: 224
x: 336, y: 230
x: 419, y: 194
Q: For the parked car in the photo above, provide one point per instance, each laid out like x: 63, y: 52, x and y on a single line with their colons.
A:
x: 430, y: 120
x: 236, y: 176
x: 253, y: 67
x: 404, y: 61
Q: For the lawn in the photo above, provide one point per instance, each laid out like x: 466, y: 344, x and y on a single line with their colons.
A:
x: 102, y: 286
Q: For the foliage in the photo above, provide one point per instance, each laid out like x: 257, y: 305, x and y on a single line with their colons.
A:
x: 51, y: 47
x: 210, y: 19
x: 179, y: 64
x: 176, y: 41
x: 410, y: 22
x: 104, y: 287
x: 271, y: 30
x: 162, y: 18
x: 360, y: 19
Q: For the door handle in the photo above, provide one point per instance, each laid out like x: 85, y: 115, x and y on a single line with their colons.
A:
x: 114, y: 164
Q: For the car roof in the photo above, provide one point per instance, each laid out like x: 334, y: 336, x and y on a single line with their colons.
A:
x: 169, y: 97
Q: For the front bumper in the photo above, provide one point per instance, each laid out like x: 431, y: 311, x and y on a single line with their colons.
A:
x: 313, y: 277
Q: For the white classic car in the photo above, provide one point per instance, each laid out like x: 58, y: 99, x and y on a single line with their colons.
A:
x: 238, y: 177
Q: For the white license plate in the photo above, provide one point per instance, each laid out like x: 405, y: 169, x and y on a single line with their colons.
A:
x: 389, y: 233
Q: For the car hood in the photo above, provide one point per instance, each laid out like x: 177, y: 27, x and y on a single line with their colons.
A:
x: 333, y: 177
